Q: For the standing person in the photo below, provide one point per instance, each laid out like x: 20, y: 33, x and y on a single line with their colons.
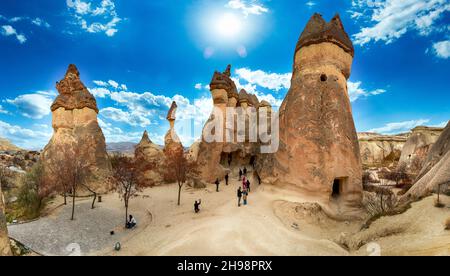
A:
x: 244, y: 184
x: 239, y: 195
x: 217, y: 184
x: 240, y: 174
x: 197, y: 205
x: 244, y: 197
x: 226, y: 179
x: 248, y: 185
x: 245, y: 171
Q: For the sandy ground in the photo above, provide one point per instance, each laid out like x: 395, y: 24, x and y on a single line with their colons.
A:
x: 270, y: 225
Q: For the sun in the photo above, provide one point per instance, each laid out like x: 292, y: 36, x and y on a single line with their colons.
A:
x: 228, y: 26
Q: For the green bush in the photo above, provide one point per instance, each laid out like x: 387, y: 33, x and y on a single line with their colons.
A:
x: 29, y: 199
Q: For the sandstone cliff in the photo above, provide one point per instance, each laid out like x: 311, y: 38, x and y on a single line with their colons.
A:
x: 436, y: 169
x: 77, y: 132
x: 416, y: 148
x: 380, y: 150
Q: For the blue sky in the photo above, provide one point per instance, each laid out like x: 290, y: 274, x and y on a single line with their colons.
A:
x: 137, y: 56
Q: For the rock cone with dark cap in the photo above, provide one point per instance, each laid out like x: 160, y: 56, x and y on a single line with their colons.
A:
x: 171, y: 140
x: 76, y: 130
x: 319, y: 153
x: 5, y: 249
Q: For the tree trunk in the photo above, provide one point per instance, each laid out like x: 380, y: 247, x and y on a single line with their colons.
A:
x: 73, y: 203
x: 65, y: 198
x: 179, y: 194
x: 126, y: 214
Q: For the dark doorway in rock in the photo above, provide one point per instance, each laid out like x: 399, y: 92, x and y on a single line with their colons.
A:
x: 337, y: 186
x: 323, y: 77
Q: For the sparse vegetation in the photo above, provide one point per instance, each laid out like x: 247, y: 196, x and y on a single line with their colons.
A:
x: 125, y: 179
x: 32, y: 192
x: 178, y: 169
x: 447, y: 224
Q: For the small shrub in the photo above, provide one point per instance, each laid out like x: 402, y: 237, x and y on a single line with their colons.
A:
x: 447, y: 224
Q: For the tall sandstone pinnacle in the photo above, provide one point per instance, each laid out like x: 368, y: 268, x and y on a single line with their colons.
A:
x: 171, y: 139
x: 5, y: 249
x: 76, y: 130
x: 319, y: 152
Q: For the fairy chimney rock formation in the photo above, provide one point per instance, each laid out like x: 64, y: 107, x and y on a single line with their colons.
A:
x: 5, y: 249
x: 76, y: 131
x: 319, y: 153
x: 171, y: 140
x: 150, y: 158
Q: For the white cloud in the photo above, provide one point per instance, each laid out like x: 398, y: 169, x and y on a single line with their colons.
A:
x: 8, y: 30
x: 24, y: 137
x: 100, y: 83
x: 442, y: 124
x: 99, y: 92
x: 251, y: 88
x: 270, y: 81
x: 113, y: 84
x: 124, y: 87
x: 399, y: 127
x: 246, y: 8
x: 200, y: 86
x: 34, y: 106
x: 132, y: 118
x: 391, y: 19
x: 2, y: 110
x: 102, y: 18
x: 40, y: 22
x: 442, y: 49
x: 311, y: 4
x: 355, y: 91
x: 116, y: 134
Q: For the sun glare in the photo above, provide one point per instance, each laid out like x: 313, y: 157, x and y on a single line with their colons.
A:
x: 228, y: 26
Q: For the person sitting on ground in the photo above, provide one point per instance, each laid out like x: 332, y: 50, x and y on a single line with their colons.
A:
x: 131, y: 222
x: 239, y: 195
x: 226, y: 179
x: 217, y: 184
x: 197, y: 205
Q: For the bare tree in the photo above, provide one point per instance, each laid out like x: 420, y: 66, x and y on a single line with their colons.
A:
x: 178, y: 168
x: 70, y: 174
x: 125, y: 178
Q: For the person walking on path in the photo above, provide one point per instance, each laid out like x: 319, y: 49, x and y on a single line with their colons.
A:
x: 239, y: 195
x: 244, y: 197
x: 197, y: 206
x: 217, y: 184
x: 244, y: 184
x: 226, y: 179
x: 240, y: 174
x: 248, y: 185
x: 245, y: 171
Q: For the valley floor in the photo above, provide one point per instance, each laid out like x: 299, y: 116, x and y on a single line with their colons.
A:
x: 269, y: 225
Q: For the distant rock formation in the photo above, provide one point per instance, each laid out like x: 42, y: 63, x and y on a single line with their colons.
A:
x: 5, y: 249
x: 319, y: 153
x: 380, y: 150
x: 216, y: 158
x: 76, y: 130
x: 150, y: 159
x: 171, y: 139
x: 6, y: 145
x: 416, y: 149
x: 435, y: 171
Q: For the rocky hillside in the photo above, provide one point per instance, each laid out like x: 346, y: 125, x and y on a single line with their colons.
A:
x: 121, y: 147
x: 381, y: 150
x: 6, y: 145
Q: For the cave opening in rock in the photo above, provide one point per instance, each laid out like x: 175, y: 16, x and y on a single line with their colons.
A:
x: 337, y: 186
x: 323, y: 77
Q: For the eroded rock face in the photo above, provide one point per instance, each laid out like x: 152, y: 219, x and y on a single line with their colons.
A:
x: 171, y: 139
x: 436, y: 169
x: 76, y: 130
x: 5, y: 249
x: 416, y: 148
x: 319, y: 154
x: 215, y: 159
x: 150, y: 160
x: 380, y: 150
